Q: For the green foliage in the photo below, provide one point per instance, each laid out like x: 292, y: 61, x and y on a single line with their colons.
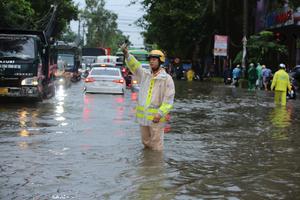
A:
x: 294, y: 3
x: 69, y: 35
x: 173, y: 25
x: 16, y: 13
x: 34, y: 14
x: 238, y: 58
x: 66, y: 12
x: 186, y: 28
x: 102, y: 26
x: 262, y: 48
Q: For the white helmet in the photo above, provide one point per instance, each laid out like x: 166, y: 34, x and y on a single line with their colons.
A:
x: 281, y: 65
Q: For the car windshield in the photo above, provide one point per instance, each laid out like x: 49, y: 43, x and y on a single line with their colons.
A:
x: 65, y: 61
x: 17, y: 47
x: 105, y: 72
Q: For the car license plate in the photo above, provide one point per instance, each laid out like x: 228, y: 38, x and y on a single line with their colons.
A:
x: 3, y: 90
x: 102, y: 84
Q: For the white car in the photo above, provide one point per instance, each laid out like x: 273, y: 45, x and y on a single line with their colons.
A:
x: 103, y: 65
x: 105, y: 80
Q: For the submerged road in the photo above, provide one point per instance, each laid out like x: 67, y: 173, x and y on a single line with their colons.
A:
x: 223, y: 143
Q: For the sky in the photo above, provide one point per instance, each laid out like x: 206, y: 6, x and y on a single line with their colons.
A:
x: 127, y: 15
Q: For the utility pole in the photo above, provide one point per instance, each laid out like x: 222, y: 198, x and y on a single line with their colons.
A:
x: 83, y: 33
x: 214, y: 6
x: 245, y: 24
x: 79, y: 24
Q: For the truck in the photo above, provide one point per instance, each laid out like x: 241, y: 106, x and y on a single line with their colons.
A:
x: 89, y: 54
x: 65, y: 58
x: 24, y: 65
x: 25, y: 71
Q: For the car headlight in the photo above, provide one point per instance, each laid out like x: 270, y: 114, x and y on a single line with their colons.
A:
x: 61, y: 80
x: 30, y: 81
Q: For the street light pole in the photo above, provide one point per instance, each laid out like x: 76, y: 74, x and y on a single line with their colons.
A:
x: 245, y: 24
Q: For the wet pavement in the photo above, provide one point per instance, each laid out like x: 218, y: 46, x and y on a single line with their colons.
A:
x: 224, y: 143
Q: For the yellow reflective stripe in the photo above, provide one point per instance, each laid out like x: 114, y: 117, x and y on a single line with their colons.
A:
x: 140, y: 108
x: 149, y: 110
x: 149, y: 95
x: 165, y: 108
x: 140, y: 115
x: 152, y: 110
x: 132, y: 64
x: 148, y: 117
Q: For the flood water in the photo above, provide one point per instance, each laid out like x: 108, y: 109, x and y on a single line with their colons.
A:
x: 223, y: 143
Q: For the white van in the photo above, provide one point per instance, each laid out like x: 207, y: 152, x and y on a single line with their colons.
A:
x: 106, y: 59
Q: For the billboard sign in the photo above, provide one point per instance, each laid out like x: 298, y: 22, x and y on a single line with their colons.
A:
x: 279, y: 18
x: 220, y: 46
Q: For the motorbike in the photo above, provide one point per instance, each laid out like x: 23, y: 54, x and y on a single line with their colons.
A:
x: 292, y: 94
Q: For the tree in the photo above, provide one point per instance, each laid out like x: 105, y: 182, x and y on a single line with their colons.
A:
x: 263, y: 48
x: 69, y: 35
x: 34, y: 14
x: 102, y: 26
x: 66, y: 11
x: 16, y: 13
x: 294, y: 3
x: 186, y: 28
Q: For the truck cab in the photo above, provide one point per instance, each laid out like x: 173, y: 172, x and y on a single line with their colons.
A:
x: 66, y: 59
x: 24, y: 67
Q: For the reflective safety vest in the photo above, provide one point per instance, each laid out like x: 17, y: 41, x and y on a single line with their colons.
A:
x: 281, y: 81
x: 156, y: 93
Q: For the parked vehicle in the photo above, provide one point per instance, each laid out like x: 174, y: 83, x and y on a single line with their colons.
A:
x: 105, y: 80
x: 295, y: 76
x: 292, y: 94
x: 295, y: 80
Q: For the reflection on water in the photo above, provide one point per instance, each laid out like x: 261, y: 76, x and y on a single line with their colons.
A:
x: 28, y: 121
x: 281, y: 119
x: 88, y: 101
x: 23, y: 145
x: 60, y: 96
x: 225, y: 143
x: 24, y: 133
x: 151, y: 173
x: 23, y: 118
x: 120, y: 108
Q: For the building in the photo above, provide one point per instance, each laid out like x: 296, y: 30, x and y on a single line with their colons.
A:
x: 284, y: 21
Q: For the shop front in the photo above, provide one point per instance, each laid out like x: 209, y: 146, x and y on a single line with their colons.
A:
x: 284, y: 22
